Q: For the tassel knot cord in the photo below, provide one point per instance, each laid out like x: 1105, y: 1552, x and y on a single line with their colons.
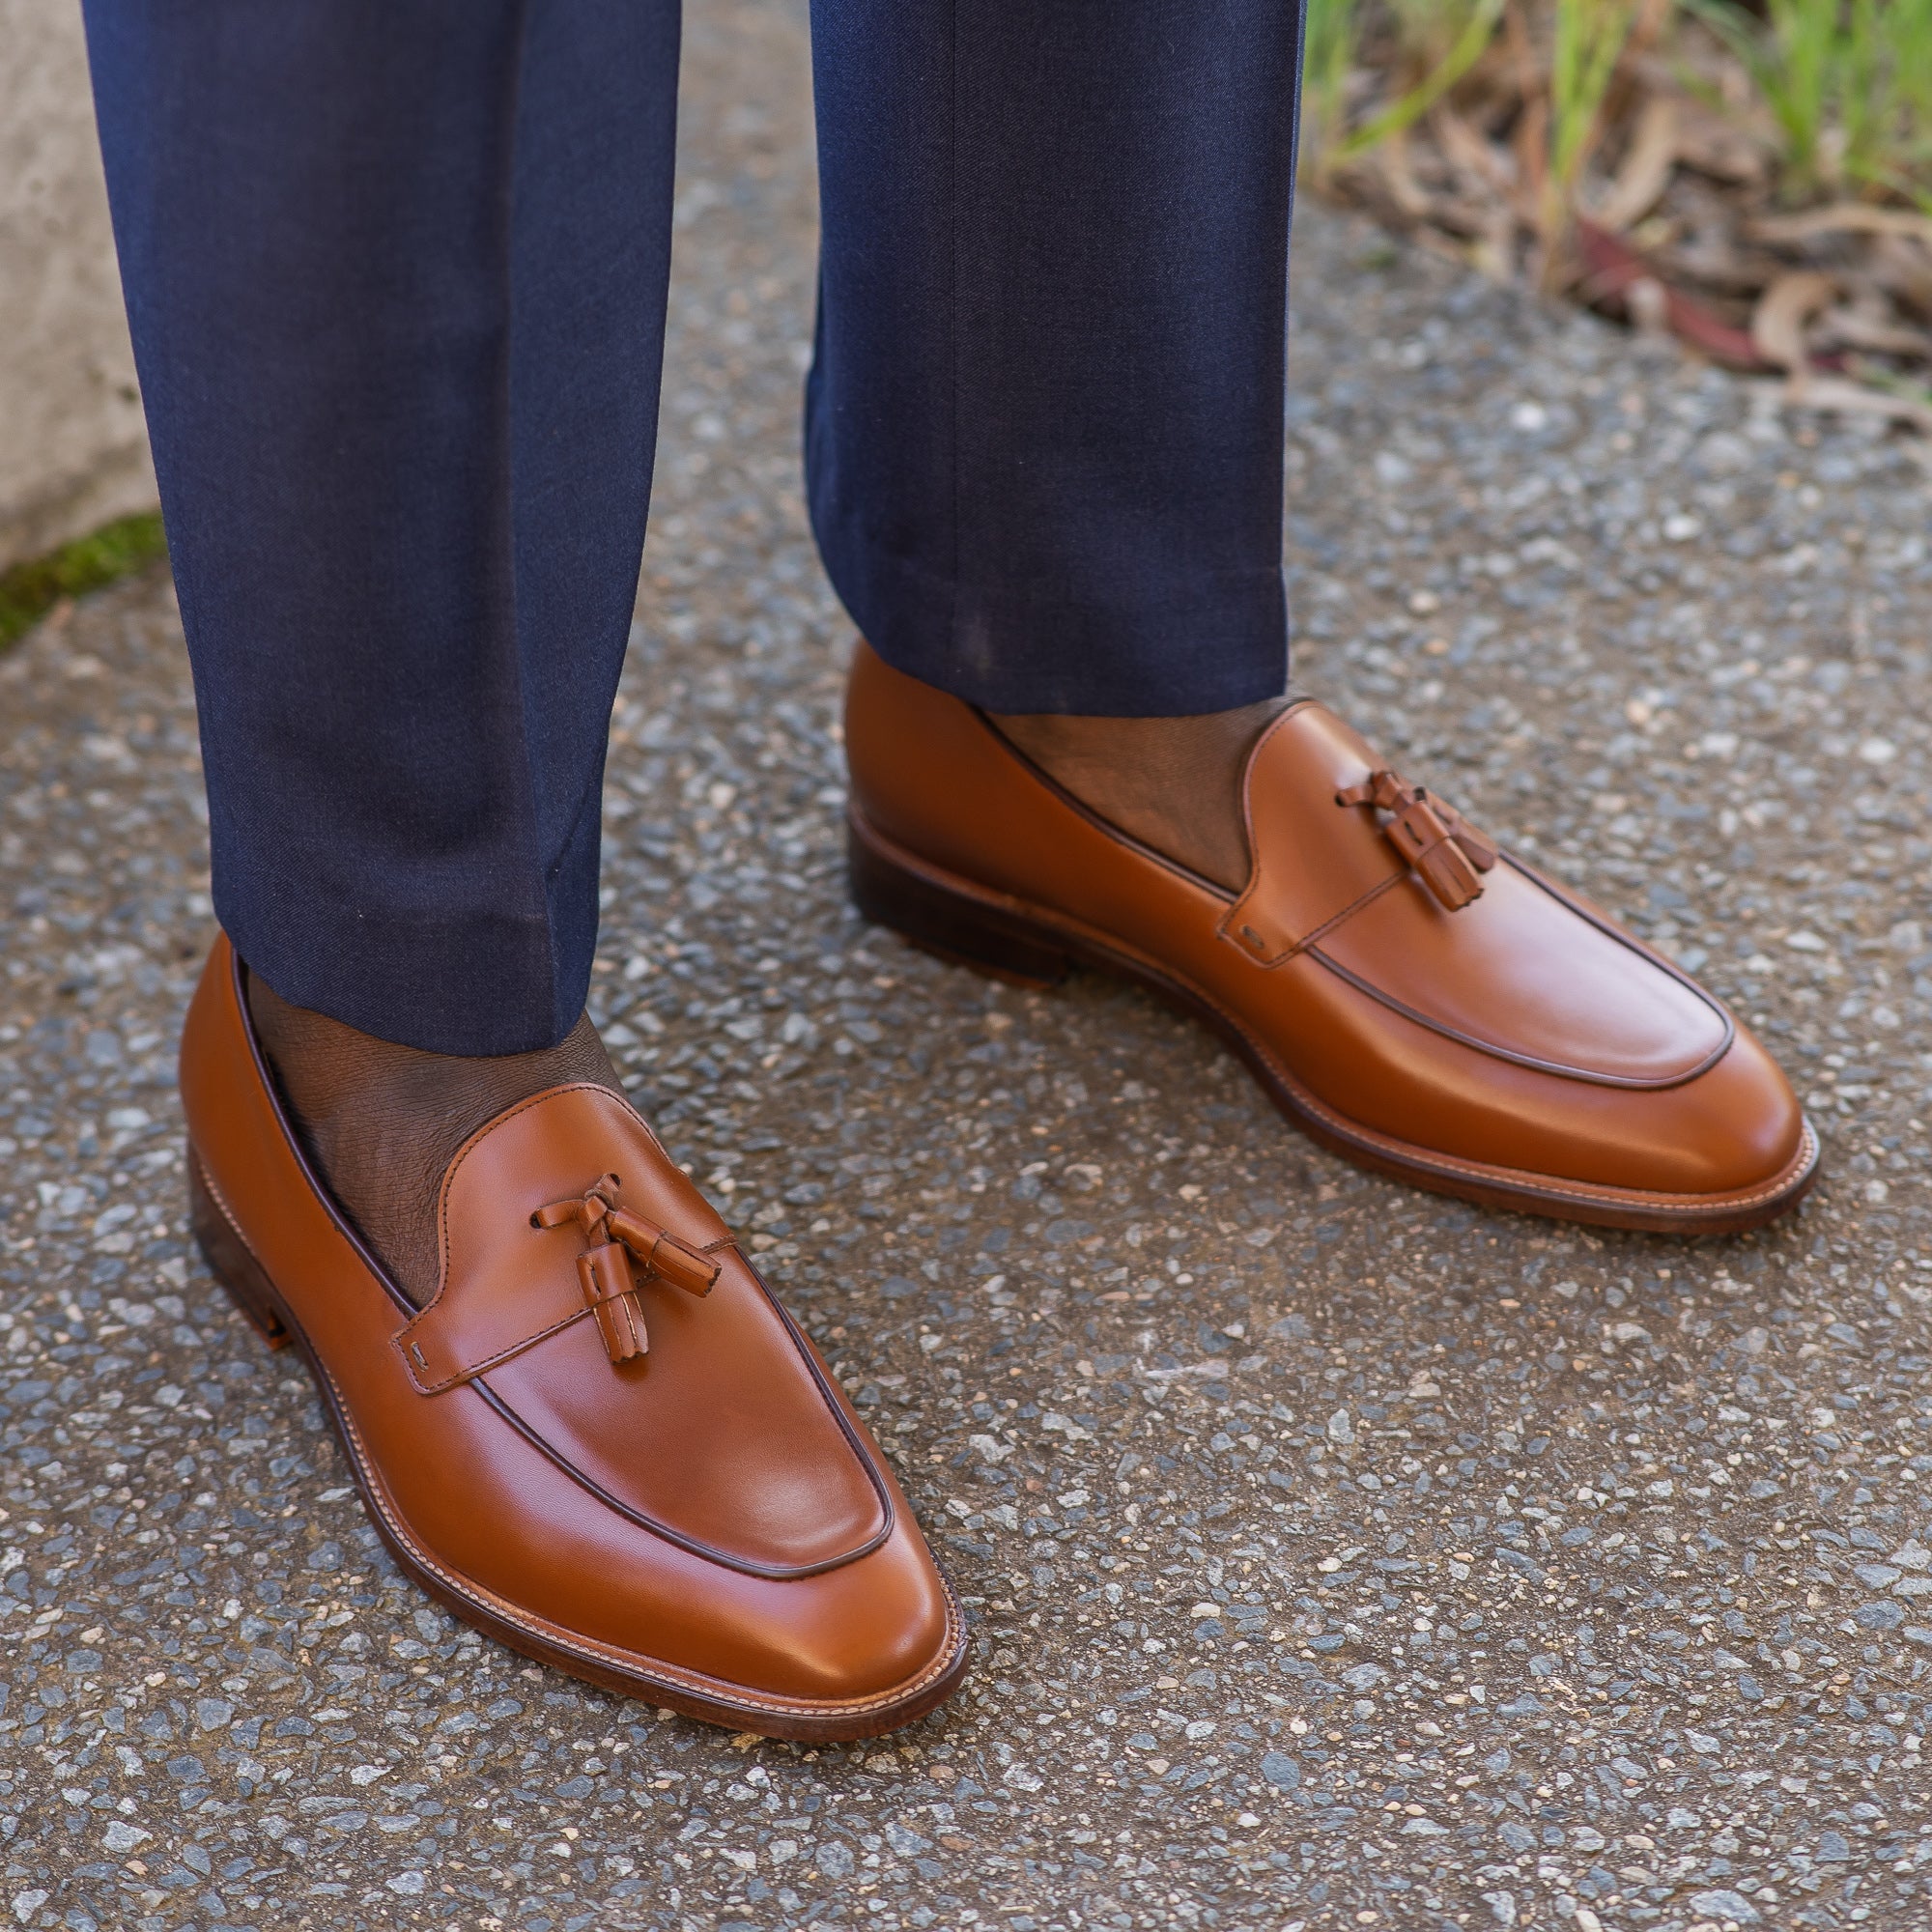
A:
x: 616, y: 1241
x: 1447, y: 851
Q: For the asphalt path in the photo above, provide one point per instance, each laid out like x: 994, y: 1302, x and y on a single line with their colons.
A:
x: 1336, y: 1555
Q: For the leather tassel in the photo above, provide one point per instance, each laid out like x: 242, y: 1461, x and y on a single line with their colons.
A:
x: 1424, y: 841
x: 1478, y: 847
x: 611, y: 1293
x: 663, y: 1254
x: 617, y: 1238
x: 1447, y: 852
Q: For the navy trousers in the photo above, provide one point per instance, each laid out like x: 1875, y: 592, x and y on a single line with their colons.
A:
x: 396, y: 274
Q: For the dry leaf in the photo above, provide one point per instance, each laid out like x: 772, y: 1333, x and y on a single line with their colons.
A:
x: 1720, y: 148
x: 1710, y: 255
x: 1649, y: 304
x: 1848, y: 217
x: 1399, y: 177
x: 1903, y: 269
x: 1854, y: 399
x: 1652, y: 17
x: 1493, y: 167
x: 1778, y: 323
x: 1532, y: 129
x: 1612, y: 267
x: 1494, y: 251
x: 1859, y: 325
x: 1646, y: 168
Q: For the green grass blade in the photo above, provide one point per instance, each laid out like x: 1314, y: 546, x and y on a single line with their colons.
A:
x: 1468, y: 49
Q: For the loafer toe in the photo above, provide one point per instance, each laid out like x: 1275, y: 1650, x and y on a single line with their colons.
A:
x: 1735, y: 1132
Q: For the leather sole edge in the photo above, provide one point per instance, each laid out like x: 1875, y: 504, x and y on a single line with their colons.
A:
x: 234, y: 1265
x: 978, y: 927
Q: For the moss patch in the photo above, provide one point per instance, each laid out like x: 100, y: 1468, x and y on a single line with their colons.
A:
x: 29, y: 590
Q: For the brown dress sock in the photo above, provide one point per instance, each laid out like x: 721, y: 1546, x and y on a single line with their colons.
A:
x: 380, y: 1123
x: 1174, y: 784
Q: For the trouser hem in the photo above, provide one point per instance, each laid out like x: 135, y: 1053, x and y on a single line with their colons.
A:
x: 1213, y: 644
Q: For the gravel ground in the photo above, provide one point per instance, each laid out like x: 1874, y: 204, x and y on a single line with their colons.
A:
x: 1338, y: 1556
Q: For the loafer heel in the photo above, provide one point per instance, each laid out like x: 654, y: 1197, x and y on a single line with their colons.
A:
x: 966, y: 931
x: 229, y: 1260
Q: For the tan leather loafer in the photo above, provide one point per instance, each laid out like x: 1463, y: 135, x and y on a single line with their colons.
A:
x: 1408, y: 995
x: 603, y: 1441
